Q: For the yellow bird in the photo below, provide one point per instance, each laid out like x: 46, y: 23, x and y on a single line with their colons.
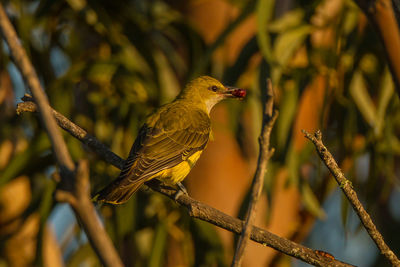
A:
x: 171, y: 141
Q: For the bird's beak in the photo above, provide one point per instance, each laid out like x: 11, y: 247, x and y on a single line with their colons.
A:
x: 235, y: 92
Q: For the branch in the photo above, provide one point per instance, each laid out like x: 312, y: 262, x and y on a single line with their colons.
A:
x: 83, y: 208
x: 28, y: 73
x: 380, y: 13
x: 87, y: 139
x: 198, y: 209
x: 265, y: 154
x: 79, y: 200
x: 351, y: 195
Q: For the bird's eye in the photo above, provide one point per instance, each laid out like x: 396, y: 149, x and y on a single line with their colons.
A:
x: 213, y: 88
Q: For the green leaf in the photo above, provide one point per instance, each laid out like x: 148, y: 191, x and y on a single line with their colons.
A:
x: 285, y: 46
x: 385, y: 94
x: 159, y: 246
x: 144, y: 241
x: 287, y: 107
x: 46, y: 204
x: 289, y: 20
x: 311, y: 202
x: 362, y: 98
x: 25, y: 158
x: 344, y: 210
x: 265, y: 9
x: 84, y: 256
x: 168, y: 81
x: 351, y: 17
x: 125, y: 215
x: 288, y: 42
x: 292, y: 165
x: 77, y: 5
x: 102, y: 72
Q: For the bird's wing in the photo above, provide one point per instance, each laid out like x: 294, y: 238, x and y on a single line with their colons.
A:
x: 167, y: 139
x: 176, y: 135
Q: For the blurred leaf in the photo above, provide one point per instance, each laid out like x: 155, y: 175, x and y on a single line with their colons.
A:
x: 46, y: 204
x: 159, y: 246
x: 78, y: 5
x: 344, y: 210
x: 132, y: 60
x: 20, y: 161
x: 244, y: 206
x: 75, y: 147
x: 168, y: 82
x: 288, y: 20
x: 269, y: 184
x: 351, y: 18
x: 368, y: 64
x: 205, y: 59
x: 232, y: 74
x: 311, y: 202
x: 6, y: 151
x: 390, y: 145
x: 362, y: 98
x: 265, y: 9
x: 285, y: 46
x: 125, y: 216
x: 288, y: 108
x: 144, y: 239
x: 385, y: 94
x: 102, y: 72
x: 208, y: 247
x: 292, y: 164
x: 83, y: 256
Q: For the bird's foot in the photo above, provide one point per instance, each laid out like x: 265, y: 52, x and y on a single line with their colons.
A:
x: 182, y: 188
x: 181, y: 191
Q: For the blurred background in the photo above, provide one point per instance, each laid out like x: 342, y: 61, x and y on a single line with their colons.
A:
x: 108, y: 64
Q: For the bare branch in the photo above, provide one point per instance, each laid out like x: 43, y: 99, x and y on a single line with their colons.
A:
x: 80, y: 202
x: 351, y: 195
x: 28, y: 73
x: 87, y: 139
x: 87, y: 215
x: 200, y: 210
x: 265, y: 152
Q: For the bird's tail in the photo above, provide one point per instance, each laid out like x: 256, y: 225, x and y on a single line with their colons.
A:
x: 116, y: 193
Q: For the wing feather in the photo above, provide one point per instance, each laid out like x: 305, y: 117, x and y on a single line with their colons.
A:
x: 169, y: 137
x: 165, y: 146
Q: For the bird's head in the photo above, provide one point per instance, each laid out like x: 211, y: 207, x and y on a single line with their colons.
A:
x: 209, y: 91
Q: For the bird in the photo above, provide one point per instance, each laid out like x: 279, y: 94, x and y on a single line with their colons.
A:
x: 171, y: 140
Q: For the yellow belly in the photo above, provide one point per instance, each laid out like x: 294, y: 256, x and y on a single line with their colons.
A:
x: 179, y: 172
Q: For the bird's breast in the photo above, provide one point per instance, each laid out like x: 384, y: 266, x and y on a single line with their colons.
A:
x: 179, y: 172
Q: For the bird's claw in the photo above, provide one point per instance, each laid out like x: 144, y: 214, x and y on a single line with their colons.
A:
x: 181, y: 191
x: 182, y: 188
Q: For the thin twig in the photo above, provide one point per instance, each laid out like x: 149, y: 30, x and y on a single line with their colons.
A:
x: 351, y: 195
x: 87, y: 139
x: 83, y: 208
x: 265, y: 152
x: 198, y: 209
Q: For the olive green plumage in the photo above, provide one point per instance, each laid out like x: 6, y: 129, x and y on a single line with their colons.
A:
x: 170, y: 142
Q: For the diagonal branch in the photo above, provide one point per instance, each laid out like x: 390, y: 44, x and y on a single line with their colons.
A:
x: 351, y: 195
x: 70, y: 177
x: 87, y: 139
x: 269, y: 118
x: 195, y: 208
x: 28, y: 73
